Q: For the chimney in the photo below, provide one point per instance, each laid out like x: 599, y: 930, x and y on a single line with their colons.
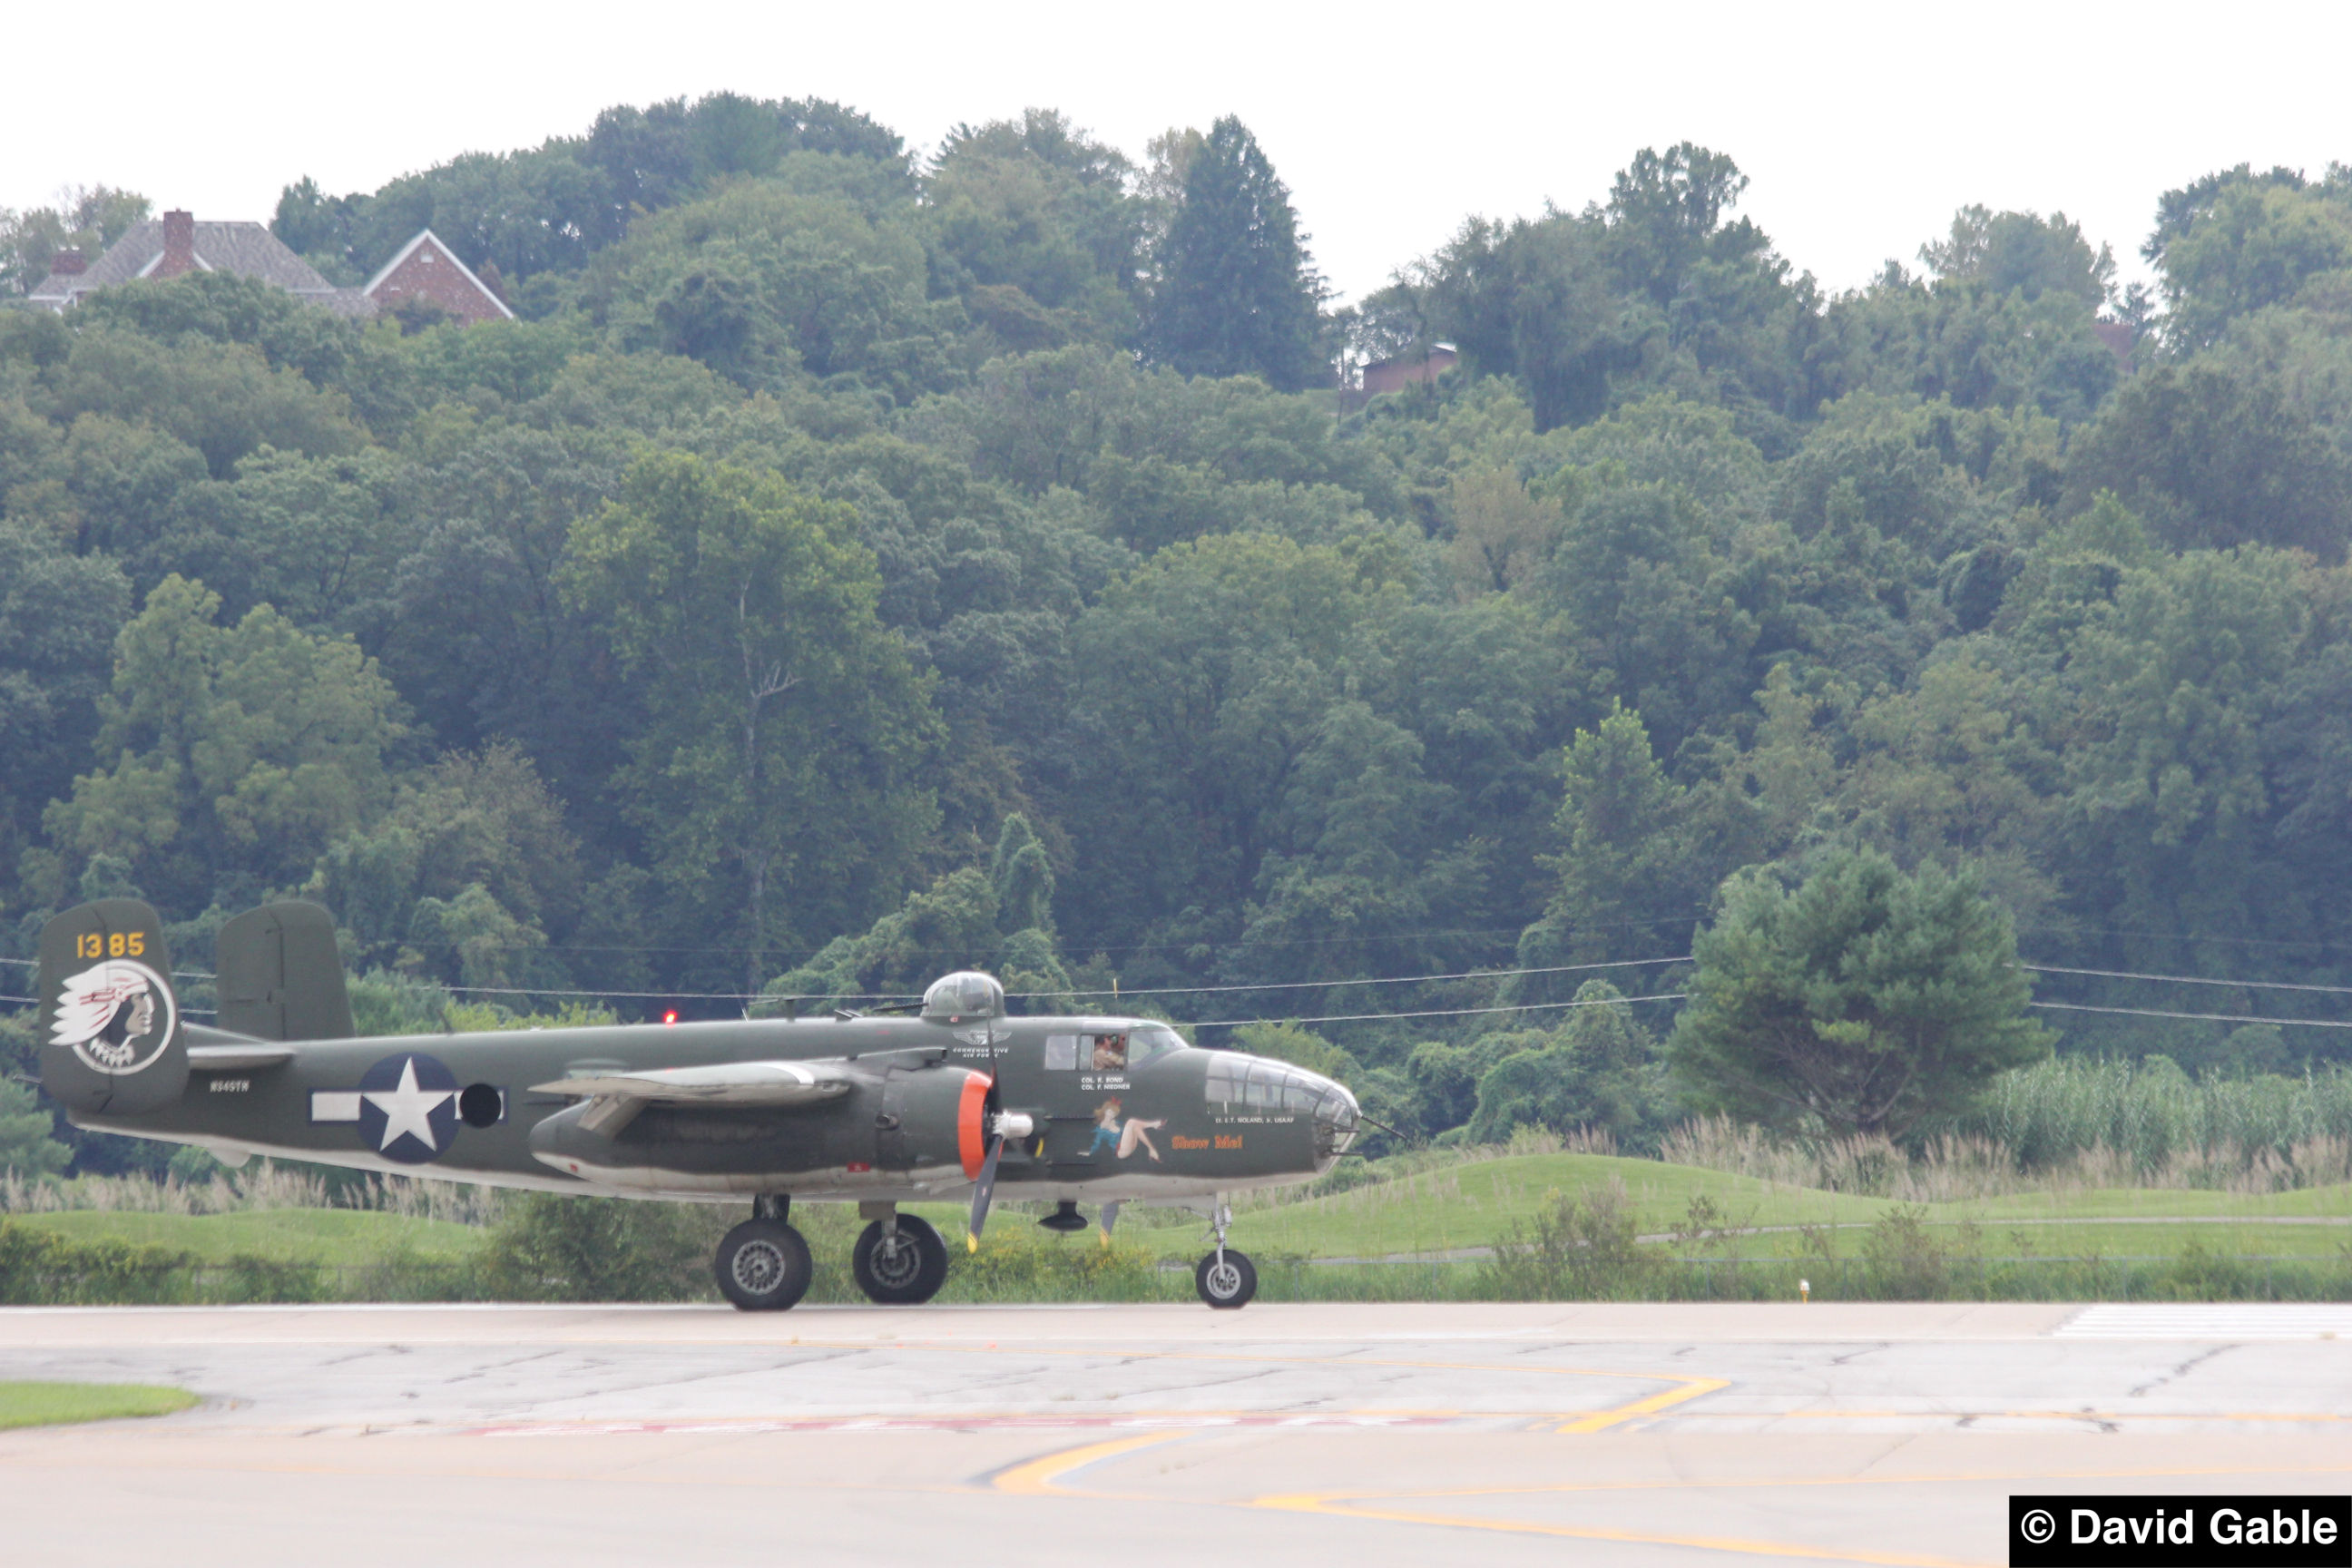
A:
x: 69, y: 262
x: 179, y: 245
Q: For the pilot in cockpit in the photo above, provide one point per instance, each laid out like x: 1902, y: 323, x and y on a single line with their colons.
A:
x: 1110, y: 1053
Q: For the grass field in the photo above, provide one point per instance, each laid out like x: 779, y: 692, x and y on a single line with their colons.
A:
x: 1475, y: 1204
x: 54, y: 1404
x: 1462, y: 1208
x: 332, y: 1236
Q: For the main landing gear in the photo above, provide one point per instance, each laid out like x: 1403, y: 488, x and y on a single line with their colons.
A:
x: 1226, y: 1279
x: 763, y: 1264
x: 900, y: 1260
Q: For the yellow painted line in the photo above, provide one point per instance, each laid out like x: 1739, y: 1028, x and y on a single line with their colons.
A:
x: 1038, y: 1477
x: 1328, y: 1505
x: 1687, y: 1387
x: 1602, y: 1420
x: 1779, y: 1483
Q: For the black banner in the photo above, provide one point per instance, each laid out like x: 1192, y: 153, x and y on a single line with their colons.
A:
x: 2154, y: 1531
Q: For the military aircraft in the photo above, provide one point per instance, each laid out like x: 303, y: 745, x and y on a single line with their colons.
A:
x: 951, y: 1099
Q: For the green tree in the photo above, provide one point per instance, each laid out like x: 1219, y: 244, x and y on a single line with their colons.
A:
x: 92, y: 217
x: 1237, y: 294
x: 1628, y: 883
x: 2022, y: 252
x: 778, y: 773
x: 1865, y: 1002
x: 1599, y: 1070
x: 1024, y: 876
x: 59, y: 614
x: 2235, y: 242
x: 2212, y: 455
x: 228, y: 754
x: 26, y: 1149
x: 1031, y: 224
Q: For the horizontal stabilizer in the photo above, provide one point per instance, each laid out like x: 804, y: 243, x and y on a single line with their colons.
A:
x: 250, y: 1057
x: 724, y: 1083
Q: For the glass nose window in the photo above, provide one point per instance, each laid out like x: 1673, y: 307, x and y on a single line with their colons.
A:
x: 1250, y: 1083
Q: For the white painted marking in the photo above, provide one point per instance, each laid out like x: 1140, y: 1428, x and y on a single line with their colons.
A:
x: 2210, y: 1321
x: 334, y: 1105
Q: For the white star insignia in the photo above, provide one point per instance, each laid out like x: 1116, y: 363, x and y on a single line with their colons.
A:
x: 408, y: 1108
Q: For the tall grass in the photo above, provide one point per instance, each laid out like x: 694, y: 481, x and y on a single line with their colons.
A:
x: 2157, y: 1117
x: 2071, y: 1123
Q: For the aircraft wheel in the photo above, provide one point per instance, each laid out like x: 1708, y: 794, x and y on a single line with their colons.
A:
x: 902, y: 1271
x: 1226, y: 1282
x: 763, y: 1265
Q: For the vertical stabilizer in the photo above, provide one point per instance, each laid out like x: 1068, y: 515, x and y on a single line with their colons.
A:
x: 281, y: 975
x: 112, y: 1042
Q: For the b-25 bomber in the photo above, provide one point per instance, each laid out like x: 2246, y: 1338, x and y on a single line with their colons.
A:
x: 954, y: 1098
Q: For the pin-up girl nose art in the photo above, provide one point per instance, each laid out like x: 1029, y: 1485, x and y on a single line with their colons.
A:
x: 1122, y: 1137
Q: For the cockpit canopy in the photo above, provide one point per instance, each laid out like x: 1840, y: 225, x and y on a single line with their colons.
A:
x: 966, y: 993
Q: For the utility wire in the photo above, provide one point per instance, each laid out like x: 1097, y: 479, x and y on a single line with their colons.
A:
x: 2190, y: 979
x: 1334, y: 984
x: 1032, y: 995
x: 2208, y: 1018
x: 1443, y: 1012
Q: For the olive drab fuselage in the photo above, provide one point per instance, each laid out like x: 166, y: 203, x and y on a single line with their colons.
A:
x: 1118, y: 1110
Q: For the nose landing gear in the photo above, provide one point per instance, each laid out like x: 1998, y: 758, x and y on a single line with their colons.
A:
x: 1226, y: 1279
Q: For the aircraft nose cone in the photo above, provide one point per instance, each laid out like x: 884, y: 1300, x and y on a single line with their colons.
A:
x: 1336, y: 1117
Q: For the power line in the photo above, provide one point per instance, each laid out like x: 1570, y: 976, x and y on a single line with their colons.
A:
x: 2190, y: 979
x: 1034, y: 995
x: 1334, y: 984
x: 1444, y: 1012
x: 2208, y: 1017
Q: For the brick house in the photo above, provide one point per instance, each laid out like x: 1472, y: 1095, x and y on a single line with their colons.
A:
x: 1396, y: 375
x: 177, y: 244
x: 425, y: 271
x: 428, y: 272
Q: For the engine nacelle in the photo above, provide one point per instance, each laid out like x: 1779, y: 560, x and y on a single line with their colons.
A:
x: 932, y: 1117
x: 930, y: 1124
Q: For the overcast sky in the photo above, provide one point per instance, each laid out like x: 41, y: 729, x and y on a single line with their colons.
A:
x: 1861, y: 127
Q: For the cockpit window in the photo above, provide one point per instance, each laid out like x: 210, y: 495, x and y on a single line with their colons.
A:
x: 1146, y: 1041
x: 1107, y: 1050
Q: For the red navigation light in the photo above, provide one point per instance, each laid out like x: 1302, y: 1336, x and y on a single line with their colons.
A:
x: 670, y: 1016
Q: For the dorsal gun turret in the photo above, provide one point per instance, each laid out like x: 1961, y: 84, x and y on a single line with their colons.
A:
x: 961, y: 997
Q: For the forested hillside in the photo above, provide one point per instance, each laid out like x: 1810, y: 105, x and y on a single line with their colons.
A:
x: 849, y: 567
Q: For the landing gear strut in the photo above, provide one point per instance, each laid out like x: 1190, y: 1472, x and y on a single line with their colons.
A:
x: 900, y: 1260
x: 1226, y: 1279
x: 763, y: 1264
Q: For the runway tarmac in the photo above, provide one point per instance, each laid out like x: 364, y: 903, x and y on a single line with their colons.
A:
x: 1143, y: 1435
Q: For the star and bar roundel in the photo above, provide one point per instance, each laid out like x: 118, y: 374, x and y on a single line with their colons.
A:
x: 407, y: 1108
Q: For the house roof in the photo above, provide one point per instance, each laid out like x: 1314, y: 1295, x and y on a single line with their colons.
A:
x: 426, y: 237
x: 247, y: 249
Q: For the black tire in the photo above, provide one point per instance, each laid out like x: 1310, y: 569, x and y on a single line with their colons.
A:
x: 763, y: 1265
x: 906, y: 1276
x: 1228, y: 1287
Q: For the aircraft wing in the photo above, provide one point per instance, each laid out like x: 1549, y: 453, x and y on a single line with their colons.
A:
x: 723, y: 1083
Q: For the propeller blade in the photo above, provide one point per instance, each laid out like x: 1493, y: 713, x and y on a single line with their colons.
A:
x: 983, y: 1190
x: 1109, y: 1218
